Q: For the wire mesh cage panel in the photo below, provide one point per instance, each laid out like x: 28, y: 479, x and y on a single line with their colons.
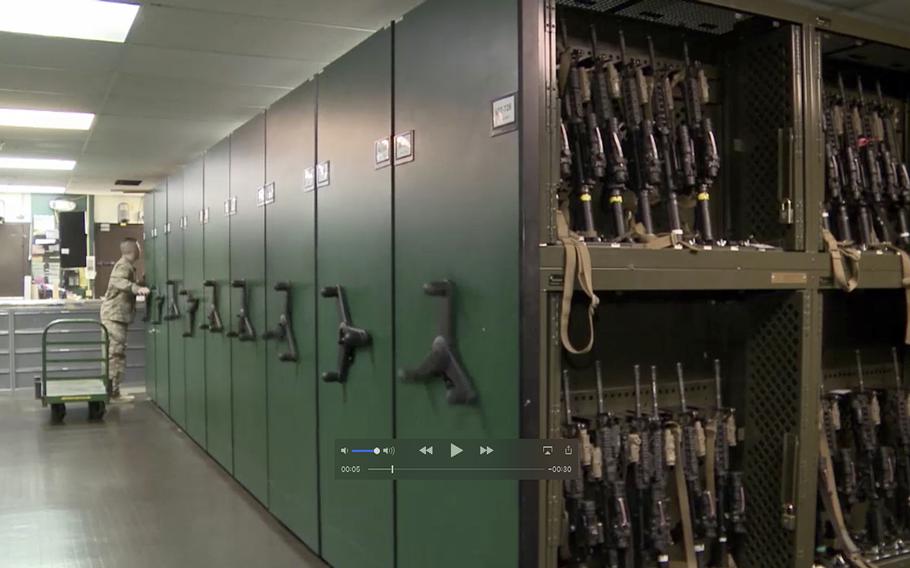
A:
x: 689, y: 15
x: 766, y: 143
x: 756, y: 339
x: 727, y: 82
x: 772, y: 413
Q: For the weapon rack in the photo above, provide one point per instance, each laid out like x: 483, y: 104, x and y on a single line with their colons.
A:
x: 774, y: 318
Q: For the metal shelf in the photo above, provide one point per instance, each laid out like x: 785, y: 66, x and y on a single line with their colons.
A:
x: 719, y: 269
x: 878, y: 270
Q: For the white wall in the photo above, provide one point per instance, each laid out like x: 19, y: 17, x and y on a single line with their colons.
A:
x: 16, y: 207
x: 106, y: 208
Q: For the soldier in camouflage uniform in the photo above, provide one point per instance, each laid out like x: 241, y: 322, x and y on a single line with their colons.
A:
x: 119, y: 307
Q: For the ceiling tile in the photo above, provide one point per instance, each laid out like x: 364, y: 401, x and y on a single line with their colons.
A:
x: 217, y: 68
x: 58, y: 53
x: 193, y: 92
x: 198, y: 110
x: 367, y: 14
x: 204, y: 31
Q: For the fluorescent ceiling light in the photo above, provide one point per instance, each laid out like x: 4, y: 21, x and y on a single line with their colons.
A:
x: 77, y: 19
x: 25, y: 118
x: 32, y: 189
x: 35, y: 164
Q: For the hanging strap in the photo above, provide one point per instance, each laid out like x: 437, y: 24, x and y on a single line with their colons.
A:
x: 651, y: 241
x: 577, y: 268
x: 682, y: 498
x: 840, y: 256
x: 905, y: 282
x: 827, y: 487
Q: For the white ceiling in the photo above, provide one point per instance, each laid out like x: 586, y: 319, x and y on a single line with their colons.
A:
x: 189, y: 73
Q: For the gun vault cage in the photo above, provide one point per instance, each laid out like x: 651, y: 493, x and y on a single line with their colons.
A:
x: 757, y: 339
x: 651, y: 55
x: 475, y: 201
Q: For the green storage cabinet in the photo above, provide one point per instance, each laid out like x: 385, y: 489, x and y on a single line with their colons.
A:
x: 148, y: 252
x: 193, y: 277
x: 290, y: 266
x: 457, y: 219
x: 217, y: 264
x: 175, y: 276
x: 162, y: 344
x: 354, y: 255
x: 248, y: 269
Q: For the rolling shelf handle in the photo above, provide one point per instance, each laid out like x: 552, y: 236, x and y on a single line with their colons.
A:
x: 246, y: 332
x: 284, y: 331
x: 213, y: 322
x: 173, y: 310
x: 192, y: 306
x: 442, y: 360
x: 159, y: 308
x: 149, y: 299
x: 349, y: 337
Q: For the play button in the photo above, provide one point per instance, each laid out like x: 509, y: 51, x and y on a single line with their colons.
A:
x: 454, y: 450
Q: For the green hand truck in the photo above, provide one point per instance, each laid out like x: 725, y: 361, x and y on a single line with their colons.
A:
x: 56, y: 387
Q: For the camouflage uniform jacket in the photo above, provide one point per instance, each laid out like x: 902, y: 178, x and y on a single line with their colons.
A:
x: 120, y: 299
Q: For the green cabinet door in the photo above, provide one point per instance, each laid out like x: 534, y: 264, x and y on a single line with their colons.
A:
x: 193, y: 277
x: 162, y: 345
x: 217, y: 261
x: 290, y: 262
x: 175, y: 275
x: 354, y: 212
x: 248, y: 268
x: 457, y: 219
x: 148, y: 253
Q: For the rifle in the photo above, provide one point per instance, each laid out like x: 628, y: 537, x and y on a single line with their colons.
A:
x: 725, y: 423
x: 902, y: 422
x: 868, y: 144
x: 702, y: 502
x: 579, y: 138
x: 864, y: 404
x: 702, y: 130
x: 659, y: 526
x: 636, y: 99
x: 641, y: 460
x: 581, y: 526
x: 847, y: 553
x: 613, y: 488
x: 835, y: 177
x: 605, y: 88
x: 841, y: 458
x: 853, y: 172
x: 670, y: 165
x: 898, y: 179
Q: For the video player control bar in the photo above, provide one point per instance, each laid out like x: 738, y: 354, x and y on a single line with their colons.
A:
x: 457, y: 459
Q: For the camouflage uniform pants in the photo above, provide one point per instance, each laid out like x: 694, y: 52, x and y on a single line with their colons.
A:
x: 116, y: 331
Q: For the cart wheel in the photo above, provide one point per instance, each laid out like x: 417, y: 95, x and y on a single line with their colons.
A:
x: 96, y: 410
x: 58, y: 411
